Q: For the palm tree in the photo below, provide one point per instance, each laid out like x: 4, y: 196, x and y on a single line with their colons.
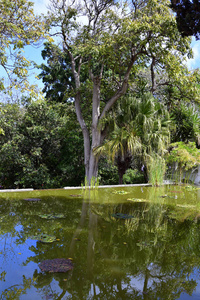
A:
x: 136, y: 126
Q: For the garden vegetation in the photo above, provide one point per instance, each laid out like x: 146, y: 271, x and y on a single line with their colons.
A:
x: 116, y: 94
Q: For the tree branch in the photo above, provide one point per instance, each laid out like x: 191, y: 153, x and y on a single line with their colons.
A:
x: 122, y: 90
x: 153, y: 83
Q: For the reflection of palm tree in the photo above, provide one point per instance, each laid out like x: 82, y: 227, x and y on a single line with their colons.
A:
x: 135, y: 126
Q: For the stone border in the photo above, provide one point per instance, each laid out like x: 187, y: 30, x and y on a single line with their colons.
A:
x: 106, y: 186
x: 166, y: 182
x: 80, y: 187
x: 16, y: 190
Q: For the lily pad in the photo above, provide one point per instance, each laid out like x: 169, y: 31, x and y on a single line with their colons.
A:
x: 52, y: 216
x: 57, y: 265
x: 120, y: 192
x: 44, y: 238
x: 137, y: 200
x: 144, y: 244
x: 192, y: 188
x: 172, y: 197
x: 32, y: 199
x: 122, y: 216
x: 167, y: 196
x: 186, y: 206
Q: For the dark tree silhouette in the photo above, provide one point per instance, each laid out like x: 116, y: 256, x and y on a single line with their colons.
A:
x: 187, y: 17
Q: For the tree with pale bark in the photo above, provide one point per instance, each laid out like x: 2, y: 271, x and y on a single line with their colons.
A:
x: 107, y: 44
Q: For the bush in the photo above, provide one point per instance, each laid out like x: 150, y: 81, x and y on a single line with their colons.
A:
x: 133, y: 176
x: 108, y: 174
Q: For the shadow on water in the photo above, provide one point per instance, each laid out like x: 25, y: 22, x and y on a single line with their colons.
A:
x: 130, y: 243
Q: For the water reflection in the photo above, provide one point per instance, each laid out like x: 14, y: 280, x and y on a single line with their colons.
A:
x: 152, y: 255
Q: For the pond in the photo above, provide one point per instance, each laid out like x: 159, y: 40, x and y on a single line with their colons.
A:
x: 117, y: 243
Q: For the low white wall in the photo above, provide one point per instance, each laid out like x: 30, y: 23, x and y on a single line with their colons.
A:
x: 15, y: 190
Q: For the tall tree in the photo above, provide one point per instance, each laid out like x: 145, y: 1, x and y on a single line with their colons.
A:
x: 109, y: 43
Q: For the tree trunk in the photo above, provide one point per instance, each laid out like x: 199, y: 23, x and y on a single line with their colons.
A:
x: 121, y: 171
x: 91, y: 162
x: 92, y: 170
x: 86, y: 135
x: 123, y: 165
x: 145, y: 287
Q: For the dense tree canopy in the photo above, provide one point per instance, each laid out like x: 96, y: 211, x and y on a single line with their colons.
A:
x: 187, y: 16
x: 41, y: 146
x: 187, y: 118
x: 56, y: 75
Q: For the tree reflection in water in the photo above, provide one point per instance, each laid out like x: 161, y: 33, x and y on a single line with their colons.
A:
x: 154, y: 255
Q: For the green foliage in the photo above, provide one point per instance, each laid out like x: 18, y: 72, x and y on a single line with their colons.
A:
x: 56, y: 75
x: 19, y: 27
x: 133, y: 176
x: 136, y: 126
x: 108, y: 173
x: 187, y: 120
x: 183, y: 155
x: 41, y: 147
x: 186, y: 155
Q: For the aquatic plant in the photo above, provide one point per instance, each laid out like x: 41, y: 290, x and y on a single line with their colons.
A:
x: 122, y: 216
x: 52, y: 216
x: 120, y: 192
x: 44, y: 238
x: 93, y: 184
x: 156, y: 169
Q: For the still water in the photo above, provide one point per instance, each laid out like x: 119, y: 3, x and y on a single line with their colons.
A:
x: 124, y: 243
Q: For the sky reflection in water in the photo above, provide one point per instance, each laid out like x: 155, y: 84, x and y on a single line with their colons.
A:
x: 128, y: 243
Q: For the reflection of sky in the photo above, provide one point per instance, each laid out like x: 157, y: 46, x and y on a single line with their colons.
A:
x: 40, y: 294
x: 13, y: 258
x: 137, y: 283
x: 196, y: 293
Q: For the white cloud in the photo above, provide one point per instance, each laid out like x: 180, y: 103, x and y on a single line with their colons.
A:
x: 195, y: 61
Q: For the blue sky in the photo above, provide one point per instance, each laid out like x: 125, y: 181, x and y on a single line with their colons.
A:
x: 195, y: 62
